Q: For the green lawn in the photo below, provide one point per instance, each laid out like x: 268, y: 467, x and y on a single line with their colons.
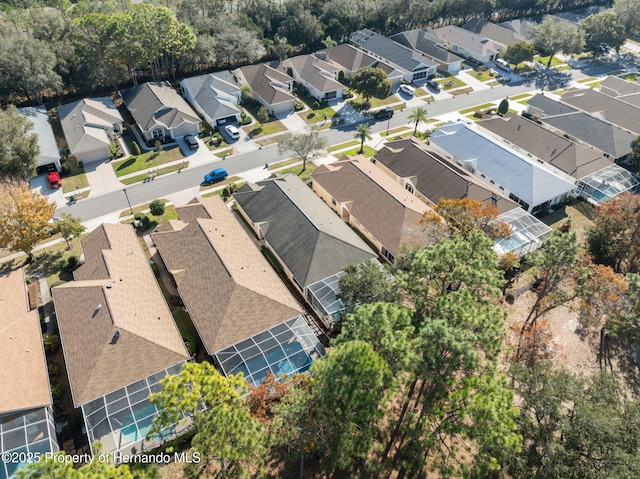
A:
x: 304, y: 175
x: 225, y: 153
x: 169, y: 212
x: 186, y: 328
x: 341, y: 146
x: 424, y: 94
x: 376, y: 102
x: 632, y: 77
x: 367, y: 151
x: 315, y: 116
x: 482, y: 76
x: 555, y: 62
x: 262, y: 129
x: 76, y: 179
x: 149, y: 159
x: 449, y: 83
x: 520, y: 97
x: 162, y: 171
x: 477, y: 107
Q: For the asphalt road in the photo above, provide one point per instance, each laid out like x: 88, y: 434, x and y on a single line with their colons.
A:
x: 141, y: 193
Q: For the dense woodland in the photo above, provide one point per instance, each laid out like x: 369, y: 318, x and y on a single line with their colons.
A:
x: 49, y: 47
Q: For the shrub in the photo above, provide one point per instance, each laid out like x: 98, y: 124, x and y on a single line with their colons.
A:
x: 136, y: 148
x: 51, y: 343
x: 66, y: 169
x: 143, y: 220
x: 245, y: 119
x: 298, y: 105
x: 157, y: 207
x: 262, y: 115
x: 72, y: 263
x: 56, y: 392
x: 53, y: 370
x: 316, y: 105
x: 346, y: 94
x: 158, y: 145
x: 478, y: 114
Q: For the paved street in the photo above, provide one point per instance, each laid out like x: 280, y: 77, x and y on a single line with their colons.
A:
x: 98, y: 206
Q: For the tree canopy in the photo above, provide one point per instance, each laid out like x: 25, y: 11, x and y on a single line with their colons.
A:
x: 551, y: 37
x: 371, y: 82
x: 307, y: 145
x: 19, y: 148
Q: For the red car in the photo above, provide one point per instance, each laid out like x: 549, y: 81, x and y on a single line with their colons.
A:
x: 54, y: 179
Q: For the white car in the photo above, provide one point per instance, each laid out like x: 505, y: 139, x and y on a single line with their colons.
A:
x: 407, y: 90
x: 232, y: 131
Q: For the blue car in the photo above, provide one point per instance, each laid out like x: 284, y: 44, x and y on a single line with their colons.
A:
x: 216, y: 175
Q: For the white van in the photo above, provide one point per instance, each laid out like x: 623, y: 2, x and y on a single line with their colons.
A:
x: 503, y: 65
x: 407, y: 90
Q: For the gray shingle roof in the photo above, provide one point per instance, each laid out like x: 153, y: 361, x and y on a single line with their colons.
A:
x: 564, y: 154
x: 348, y: 57
x: 493, y: 32
x: 614, y: 86
x: 311, y: 240
x: 601, y: 134
x: 316, y: 72
x: 216, y: 93
x: 548, y: 106
x: 428, y: 43
x: 42, y: 127
x: 392, y: 52
x: 85, y: 123
x: 267, y: 81
x: 435, y: 177
x: 467, y: 40
x: 603, y: 106
x: 228, y: 286
x: 525, y: 179
x: 158, y: 103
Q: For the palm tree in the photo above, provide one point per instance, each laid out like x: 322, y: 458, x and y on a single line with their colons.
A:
x: 417, y: 117
x: 363, y: 132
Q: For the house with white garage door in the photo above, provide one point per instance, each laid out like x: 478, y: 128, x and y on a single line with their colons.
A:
x: 89, y: 125
x: 215, y: 96
x: 160, y: 112
x: 49, y: 153
x: 270, y: 86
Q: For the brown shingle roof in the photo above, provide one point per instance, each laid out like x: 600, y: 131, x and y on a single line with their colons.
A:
x: 23, y: 376
x: 92, y: 310
x: 555, y: 149
x: 382, y: 206
x: 266, y: 81
x: 435, y: 177
x: 229, y: 288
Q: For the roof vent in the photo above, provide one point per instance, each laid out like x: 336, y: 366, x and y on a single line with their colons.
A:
x: 96, y: 311
x: 109, y: 285
x: 116, y: 336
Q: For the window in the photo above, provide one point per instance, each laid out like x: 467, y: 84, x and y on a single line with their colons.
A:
x: 330, y: 95
x: 409, y: 187
x: 419, y: 75
x: 388, y: 255
x: 334, y: 202
x: 522, y: 203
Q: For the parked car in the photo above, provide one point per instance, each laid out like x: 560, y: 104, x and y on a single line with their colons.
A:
x: 503, y: 65
x: 232, y: 131
x: 407, y: 90
x: 218, y: 174
x: 434, y: 85
x: 191, y: 142
x: 386, y: 112
x: 54, y: 179
x: 502, y: 79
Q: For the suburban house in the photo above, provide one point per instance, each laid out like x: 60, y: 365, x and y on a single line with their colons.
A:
x: 270, y: 86
x: 427, y: 43
x: 579, y: 126
x: 318, y: 76
x: 245, y: 316
x: 119, y: 340
x: 27, y: 427
x: 468, y: 44
x: 349, y: 59
x: 308, y: 239
x: 611, y: 109
x: 215, y: 96
x: 427, y: 175
x: 623, y: 89
x: 373, y: 204
x: 160, y: 112
x: 89, y: 126
x: 598, y: 178
x: 496, y: 33
x: 415, y: 66
x: 49, y: 153
x: 523, y: 180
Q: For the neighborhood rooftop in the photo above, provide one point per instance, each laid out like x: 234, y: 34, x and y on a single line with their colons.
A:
x: 228, y: 286
x: 307, y: 235
x: 24, y: 378
x: 115, y: 325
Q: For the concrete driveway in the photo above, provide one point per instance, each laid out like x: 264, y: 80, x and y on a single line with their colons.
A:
x: 41, y: 184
